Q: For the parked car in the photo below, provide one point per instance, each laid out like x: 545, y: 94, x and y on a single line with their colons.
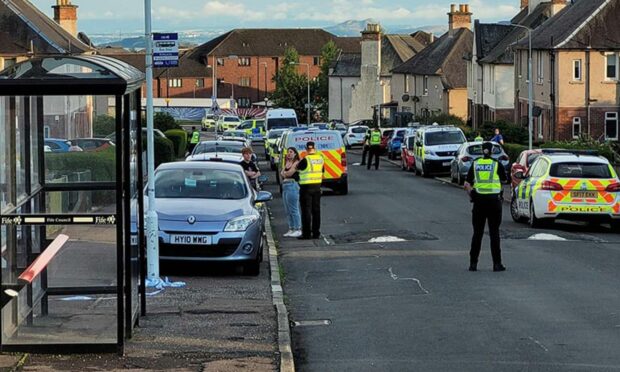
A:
x: 254, y: 129
x: 386, y: 133
x: 93, y: 144
x: 57, y: 144
x: 341, y: 128
x: 467, y: 153
x: 322, y: 126
x: 227, y: 122
x: 218, y: 146
x: 567, y: 186
x: 156, y: 133
x: 272, y: 137
x: 208, y: 121
x: 208, y: 212
x: 522, y: 164
x: 407, y: 157
x: 394, y: 143
x: 355, y: 136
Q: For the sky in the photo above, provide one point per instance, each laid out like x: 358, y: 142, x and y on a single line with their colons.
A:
x: 168, y: 15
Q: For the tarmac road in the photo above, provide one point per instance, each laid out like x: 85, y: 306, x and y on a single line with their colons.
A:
x: 412, y: 305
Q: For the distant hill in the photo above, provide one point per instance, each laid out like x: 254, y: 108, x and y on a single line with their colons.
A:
x: 349, y: 28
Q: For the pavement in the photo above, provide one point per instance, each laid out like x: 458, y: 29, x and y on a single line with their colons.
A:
x: 386, y: 288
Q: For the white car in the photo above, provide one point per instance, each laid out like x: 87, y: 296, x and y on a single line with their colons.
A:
x: 228, y: 122
x: 355, y: 136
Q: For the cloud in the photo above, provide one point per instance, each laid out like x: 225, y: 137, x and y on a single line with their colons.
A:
x: 238, y: 11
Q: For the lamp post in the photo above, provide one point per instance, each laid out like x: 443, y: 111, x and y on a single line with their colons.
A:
x: 265, y: 64
x: 308, y: 76
x: 530, y: 86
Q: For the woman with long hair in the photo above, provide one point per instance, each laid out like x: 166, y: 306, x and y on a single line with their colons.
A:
x: 290, y: 192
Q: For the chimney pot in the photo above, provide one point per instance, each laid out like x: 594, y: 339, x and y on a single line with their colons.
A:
x: 452, y: 8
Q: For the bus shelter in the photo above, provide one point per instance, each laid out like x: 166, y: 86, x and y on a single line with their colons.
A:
x: 72, y: 260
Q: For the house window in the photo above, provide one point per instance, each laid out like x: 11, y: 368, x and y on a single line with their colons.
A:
x: 611, y: 72
x: 316, y: 61
x: 577, y: 70
x: 406, y: 81
x: 520, y: 63
x: 8, y: 62
x: 541, y: 125
x: 243, y: 102
x: 611, y: 126
x: 540, y: 67
x: 245, y: 82
x: 220, y: 61
x: 425, y: 86
x: 492, y: 79
x: 576, y: 127
x: 175, y: 83
x: 200, y: 83
x: 46, y: 132
x: 244, y: 61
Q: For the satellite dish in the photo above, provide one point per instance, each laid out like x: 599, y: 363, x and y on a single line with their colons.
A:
x: 416, y: 99
x: 406, y: 97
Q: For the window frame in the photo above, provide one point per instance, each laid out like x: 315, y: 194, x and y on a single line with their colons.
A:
x: 577, y: 66
x: 541, y: 125
x: 241, y: 100
x: 245, y: 81
x: 606, y: 69
x: 425, y: 85
x: 540, y: 67
x: 576, y: 122
x: 406, y: 83
x: 608, y: 117
x: 316, y: 60
x: 244, y: 62
x: 175, y: 83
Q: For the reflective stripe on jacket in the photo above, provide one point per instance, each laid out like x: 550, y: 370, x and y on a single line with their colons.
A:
x: 313, y: 174
x: 487, y: 179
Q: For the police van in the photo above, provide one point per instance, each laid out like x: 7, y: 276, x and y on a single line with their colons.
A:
x: 435, y: 147
x: 330, y: 145
x: 280, y: 118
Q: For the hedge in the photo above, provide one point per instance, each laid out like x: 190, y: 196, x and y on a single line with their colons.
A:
x: 513, y: 150
x: 164, y: 150
x: 512, y: 133
x: 604, y: 149
x: 179, y: 141
x: 103, y: 125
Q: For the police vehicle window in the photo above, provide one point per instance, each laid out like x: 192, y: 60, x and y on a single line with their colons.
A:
x: 531, y: 159
x: 275, y: 134
x: 359, y: 130
x: 230, y: 119
x: 443, y: 138
x: 282, y: 123
x: 539, y: 168
x: 246, y: 125
x: 477, y: 150
x: 200, y: 184
x: 260, y: 124
x: 580, y: 170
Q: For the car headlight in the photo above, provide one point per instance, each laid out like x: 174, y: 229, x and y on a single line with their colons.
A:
x: 429, y: 152
x: 240, y: 223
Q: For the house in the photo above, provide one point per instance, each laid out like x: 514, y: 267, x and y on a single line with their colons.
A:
x: 576, y: 69
x: 435, y: 80
x: 361, y: 80
x: 26, y: 32
x: 491, y: 70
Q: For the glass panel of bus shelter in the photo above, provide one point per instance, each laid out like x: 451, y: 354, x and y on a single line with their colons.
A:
x: 134, y: 147
x: 88, y: 256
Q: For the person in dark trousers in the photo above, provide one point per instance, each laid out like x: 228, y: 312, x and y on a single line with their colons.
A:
x: 194, y: 139
x: 375, y: 147
x: 484, y: 185
x: 366, y: 147
x: 310, y: 178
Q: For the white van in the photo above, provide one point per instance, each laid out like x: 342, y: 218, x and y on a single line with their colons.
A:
x: 280, y: 119
x: 435, y: 146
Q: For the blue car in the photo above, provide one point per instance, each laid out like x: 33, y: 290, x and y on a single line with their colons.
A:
x: 57, y: 144
x: 209, y: 213
x: 394, y: 144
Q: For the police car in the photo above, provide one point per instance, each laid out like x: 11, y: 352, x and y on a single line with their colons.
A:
x: 568, y: 186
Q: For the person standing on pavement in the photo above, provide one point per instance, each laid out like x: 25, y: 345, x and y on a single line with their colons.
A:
x: 478, y: 138
x: 375, y: 147
x: 194, y: 139
x: 310, y: 178
x: 484, y: 185
x: 366, y: 146
x: 290, y: 192
x: 498, y: 137
x: 249, y: 167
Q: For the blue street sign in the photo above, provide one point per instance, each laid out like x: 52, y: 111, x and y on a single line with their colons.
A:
x: 165, y: 50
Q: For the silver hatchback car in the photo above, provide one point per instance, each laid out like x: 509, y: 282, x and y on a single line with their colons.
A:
x: 470, y: 151
x: 208, y: 212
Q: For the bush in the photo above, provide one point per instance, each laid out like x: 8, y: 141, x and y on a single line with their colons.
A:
x: 513, y: 150
x: 162, y: 121
x: 164, y: 150
x: 103, y: 125
x: 604, y: 149
x: 512, y: 133
x: 179, y: 141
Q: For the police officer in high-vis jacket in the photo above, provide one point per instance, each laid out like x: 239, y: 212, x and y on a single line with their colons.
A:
x: 310, y: 178
x: 194, y: 139
x: 484, y: 184
x: 375, y: 147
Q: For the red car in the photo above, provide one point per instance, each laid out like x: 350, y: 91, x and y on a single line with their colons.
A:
x: 385, y: 137
x: 407, y: 156
x: 523, y: 163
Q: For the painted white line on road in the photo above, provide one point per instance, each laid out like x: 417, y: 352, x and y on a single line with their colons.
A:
x: 312, y: 323
x: 386, y: 239
x: 326, y: 240
x: 539, y: 344
x: 417, y: 281
x: 548, y: 237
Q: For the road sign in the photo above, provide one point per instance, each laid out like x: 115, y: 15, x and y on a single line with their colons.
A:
x: 165, y: 50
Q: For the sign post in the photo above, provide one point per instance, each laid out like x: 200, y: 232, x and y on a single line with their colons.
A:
x: 166, y: 50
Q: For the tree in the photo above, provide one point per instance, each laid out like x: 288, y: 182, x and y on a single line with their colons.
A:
x: 291, y: 87
x: 103, y: 125
x: 329, y: 53
x: 163, y: 121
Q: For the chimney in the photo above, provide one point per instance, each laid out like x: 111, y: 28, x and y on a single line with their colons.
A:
x: 371, y: 47
x: 524, y: 4
x: 65, y: 14
x: 460, y: 18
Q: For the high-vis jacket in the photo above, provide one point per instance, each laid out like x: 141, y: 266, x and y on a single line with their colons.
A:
x: 313, y: 174
x: 375, y: 138
x: 195, y: 138
x: 487, y: 179
x: 478, y: 139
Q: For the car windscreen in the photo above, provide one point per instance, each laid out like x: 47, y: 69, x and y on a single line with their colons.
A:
x: 323, y: 141
x: 477, y: 150
x: 275, y: 134
x: 411, y: 140
x: 200, y: 184
x: 231, y: 119
x: 531, y: 159
x: 234, y: 133
x: 400, y: 134
x: 580, y: 170
x: 341, y: 127
x: 218, y: 147
x: 281, y: 123
x: 387, y: 133
x: 359, y: 130
x: 444, y: 138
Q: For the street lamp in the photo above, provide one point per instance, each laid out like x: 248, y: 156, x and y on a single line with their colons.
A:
x: 530, y: 87
x: 265, y: 64
x: 308, y: 76
x: 232, y: 87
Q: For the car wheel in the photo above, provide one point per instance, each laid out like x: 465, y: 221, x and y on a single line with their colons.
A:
x: 535, y: 222
x: 252, y: 268
x: 343, y: 189
x: 459, y: 180
x: 615, y: 226
x: 452, y: 178
x: 514, y: 211
x: 403, y: 166
x: 425, y: 172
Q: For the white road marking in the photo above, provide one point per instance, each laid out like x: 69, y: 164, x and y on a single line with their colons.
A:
x: 356, y: 164
x: 539, y: 344
x: 310, y: 323
x: 326, y: 241
x: 386, y: 239
x: 549, y: 237
x: 417, y: 281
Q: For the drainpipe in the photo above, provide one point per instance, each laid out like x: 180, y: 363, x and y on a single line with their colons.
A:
x: 588, y: 88
x: 341, y: 102
x: 553, y: 94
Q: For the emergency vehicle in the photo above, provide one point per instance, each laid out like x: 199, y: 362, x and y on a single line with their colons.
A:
x: 435, y: 147
x: 330, y: 145
x: 254, y: 129
x: 567, y: 186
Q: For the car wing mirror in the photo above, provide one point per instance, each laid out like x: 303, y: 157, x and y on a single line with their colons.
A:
x: 263, y: 196
x: 263, y: 179
x: 520, y: 175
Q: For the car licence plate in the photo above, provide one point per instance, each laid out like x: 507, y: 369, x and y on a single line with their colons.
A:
x: 446, y: 163
x: 583, y: 194
x: 191, y: 239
